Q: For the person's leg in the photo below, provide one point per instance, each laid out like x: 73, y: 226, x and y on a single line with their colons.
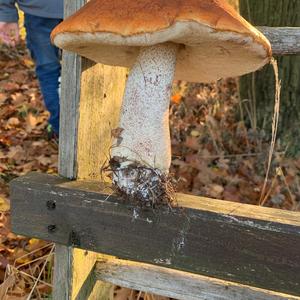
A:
x: 46, y: 57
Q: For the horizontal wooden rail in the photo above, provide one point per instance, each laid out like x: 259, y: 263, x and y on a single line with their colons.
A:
x: 250, y: 245
x: 284, y: 40
x: 177, y: 284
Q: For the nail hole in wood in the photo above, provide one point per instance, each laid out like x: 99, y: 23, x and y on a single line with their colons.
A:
x: 52, y: 228
x: 51, y: 204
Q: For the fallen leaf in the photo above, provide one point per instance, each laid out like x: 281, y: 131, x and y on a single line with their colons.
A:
x: 12, y: 122
x: 214, y: 190
x: 18, y: 98
x: 16, y: 153
x: 3, y: 97
x: 231, y: 193
x: 176, y: 98
x: 19, y: 76
x: 44, y: 160
x: 31, y: 122
x: 192, y: 142
x: 4, y: 205
x: 9, y: 86
x: 8, y: 283
x: 28, y: 62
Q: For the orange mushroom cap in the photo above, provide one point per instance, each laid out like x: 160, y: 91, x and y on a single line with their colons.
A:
x: 215, y: 40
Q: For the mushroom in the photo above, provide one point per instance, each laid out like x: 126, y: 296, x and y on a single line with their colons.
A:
x: 159, y: 40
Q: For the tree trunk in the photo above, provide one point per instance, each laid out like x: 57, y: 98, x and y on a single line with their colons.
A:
x: 258, y: 87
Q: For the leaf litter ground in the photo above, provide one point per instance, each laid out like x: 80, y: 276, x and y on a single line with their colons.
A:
x: 214, y: 155
x: 24, y: 147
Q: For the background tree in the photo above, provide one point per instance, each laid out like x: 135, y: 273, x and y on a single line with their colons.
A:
x: 258, y: 87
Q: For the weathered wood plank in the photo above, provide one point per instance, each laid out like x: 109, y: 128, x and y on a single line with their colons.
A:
x: 84, y: 286
x: 100, y: 97
x: 102, y: 89
x: 241, y: 243
x: 177, y: 284
x: 71, y: 69
x: 68, y: 280
x: 69, y: 104
x: 101, y: 94
x: 73, y: 266
x: 69, y: 108
x: 284, y: 40
x: 62, y: 272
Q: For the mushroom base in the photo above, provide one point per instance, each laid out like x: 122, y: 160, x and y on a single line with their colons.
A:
x: 141, y: 155
x: 145, y: 186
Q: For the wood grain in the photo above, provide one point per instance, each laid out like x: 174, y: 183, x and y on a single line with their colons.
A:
x: 177, y: 284
x: 102, y: 88
x: 284, y: 40
x: 100, y: 99
x: 69, y: 105
x: 69, y: 112
x: 242, y: 243
x: 84, y: 86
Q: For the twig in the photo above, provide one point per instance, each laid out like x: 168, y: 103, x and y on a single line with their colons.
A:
x: 41, y: 272
x: 36, y: 250
x: 287, y: 186
x: 270, y: 190
x: 30, y: 276
x: 32, y: 261
x: 274, y: 128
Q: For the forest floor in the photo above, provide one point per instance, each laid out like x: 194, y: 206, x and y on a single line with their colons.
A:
x: 214, y: 155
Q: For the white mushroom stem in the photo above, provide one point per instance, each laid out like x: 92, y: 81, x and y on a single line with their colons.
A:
x: 145, y: 138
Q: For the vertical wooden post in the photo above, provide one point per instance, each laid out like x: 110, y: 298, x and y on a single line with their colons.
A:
x: 102, y: 89
x: 90, y: 104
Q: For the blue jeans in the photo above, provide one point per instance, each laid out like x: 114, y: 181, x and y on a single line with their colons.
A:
x: 47, y: 61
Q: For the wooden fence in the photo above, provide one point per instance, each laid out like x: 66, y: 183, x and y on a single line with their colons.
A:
x: 203, y: 250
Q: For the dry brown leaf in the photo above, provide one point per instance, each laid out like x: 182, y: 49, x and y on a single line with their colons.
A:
x: 18, y: 98
x: 231, y: 193
x: 27, y: 167
x: 44, y: 160
x: 9, y: 86
x: 7, y: 284
x: 3, y: 97
x: 16, y: 152
x: 43, y: 288
x: 4, y: 205
x: 12, y: 122
x: 31, y: 122
x: 192, y: 142
x: 215, y: 190
x: 28, y: 62
x: 123, y: 294
x: 34, y: 244
x: 19, y: 76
